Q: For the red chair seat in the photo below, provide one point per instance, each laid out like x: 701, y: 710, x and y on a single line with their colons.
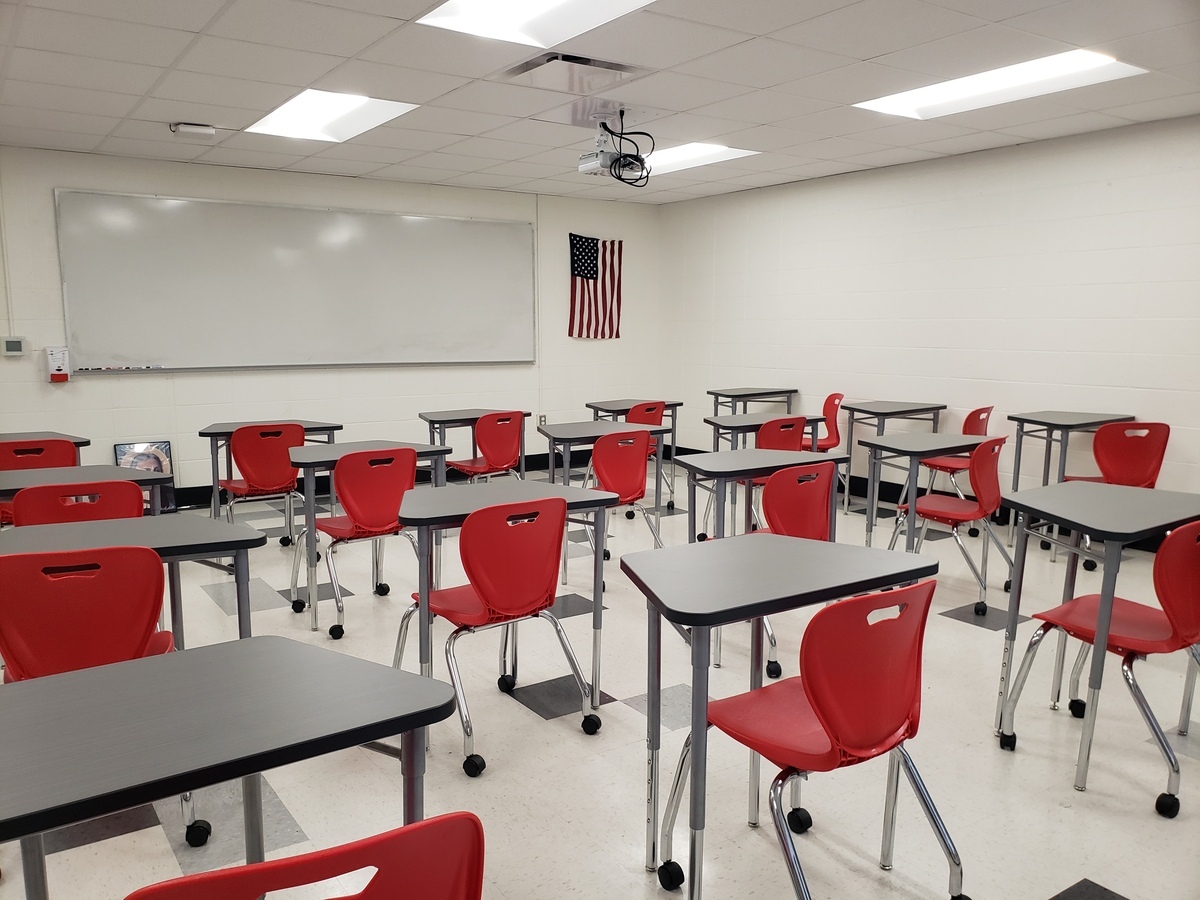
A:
x: 829, y: 442
x: 239, y: 488
x: 343, y: 528
x: 777, y: 721
x: 952, y: 511
x: 1135, y: 628
x: 475, y: 466
x: 951, y: 465
x: 459, y: 606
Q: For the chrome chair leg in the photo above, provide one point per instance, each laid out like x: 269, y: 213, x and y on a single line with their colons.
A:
x: 402, y: 636
x: 297, y: 552
x: 336, y: 630
x: 935, y: 820
x: 1014, y: 694
x: 1077, y: 670
x: 1189, y: 688
x: 464, y: 714
x: 786, y: 842
x: 772, y: 649
x: 671, y: 811
x: 1139, y: 700
x: 584, y: 689
x: 651, y: 523
x: 1060, y: 653
x: 888, y: 845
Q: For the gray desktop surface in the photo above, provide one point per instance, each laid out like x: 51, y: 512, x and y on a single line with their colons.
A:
x: 320, y: 455
x: 923, y: 444
x: 751, y: 463
x: 45, y: 436
x: 451, y: 504
x: 169, y: 536
x: 1108, y: 511
x: 226, y: 429
x: 625, y: 404
x: 749, y: 393
x: 586, y: 432
x: 14, y: 480
x: 754, y: 421
x: 891, y: 407
x: 1057, y: 418
x: 462, y: 416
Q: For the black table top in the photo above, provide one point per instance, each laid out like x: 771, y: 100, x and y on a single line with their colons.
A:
x: 587, y: 432
x: 321, y: 456
x: 1108, y: 511
x: 13, y: 480
x: 754, y: 421
x: 92, y: 742
x: 462, y: 416
x: 922, y: 444
x: 752, y: 463
x: 179, y: 535
x: 718, y: 582
x: 625, y: 404
x: 749, y: 393
x: 449, y: 506
x: 1057, y: 418
x: 887, y: 408
x: 45, y: 436
x: 226, y: 429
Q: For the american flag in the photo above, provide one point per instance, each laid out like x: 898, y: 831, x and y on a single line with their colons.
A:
x: 595, y: 288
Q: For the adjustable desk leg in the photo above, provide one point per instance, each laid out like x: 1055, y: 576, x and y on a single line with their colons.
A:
x: 424, y: 574
x: 1002, y: 726
x: 872, y: 488
x: 176, y: 595
x: 756, y: 681
x: 910, y: 529
x: 1112, y: 564
x: 653, y: 729
x: 720, y: 485
x: 252, y: 815
x: 412, y: 769
x: 310, y: 542
x: 33, y: 866
x: 700, y: 659
x: 215, y: 501
x: 850, y: 463
x: 601, y: 530
x: 241, y: 581
x: 1016, y: 481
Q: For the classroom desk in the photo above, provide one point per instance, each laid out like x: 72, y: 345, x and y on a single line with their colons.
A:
x: 48, y: 436
x: 915, y: 447
x: 611, y: 409
x: 729, y: 428
x: 13, y: 480
x: 93, y: 742
x: 568, y: 434
x: 731, y: 397
x: 219, y: 433
x: 431, y: 511
x: 443, y: 419
x: 312, y: 458
x: 702, y: 586
x: 1114, y: 514
x: 175, y: 538
x: 880, y: 411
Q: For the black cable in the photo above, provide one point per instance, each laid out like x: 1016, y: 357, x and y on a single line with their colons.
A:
x: 628, y: 167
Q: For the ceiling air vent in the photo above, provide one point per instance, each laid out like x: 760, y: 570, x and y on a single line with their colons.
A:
x: 571, y: 74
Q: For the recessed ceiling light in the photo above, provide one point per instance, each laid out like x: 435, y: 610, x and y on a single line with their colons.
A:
x: 687, y: 156
x: 1060, y: 72
x: 328, y: 116
x: 537, y: 23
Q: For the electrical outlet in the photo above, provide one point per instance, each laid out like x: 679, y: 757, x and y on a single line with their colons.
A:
x: 542, y: 419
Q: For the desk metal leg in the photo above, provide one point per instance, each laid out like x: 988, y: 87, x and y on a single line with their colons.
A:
x: 601, y: 532
x: 412, y: 769
x: 175, y: 589
x: 1003, y: 727
x: 674, y: 450
x: 215, y: 501
x: 720, y: 485
x: 1108, y: 588
x: 241, y: 582
x: 253, y: 816
x: 700, y: 659
x: 310, y: 542
x: 872, y: 489
x: 521, y: 458
x: 653, y: 729
x: 552, y: 460
x: 439, y: 480
x: 1063, y: 439
x: 910, y: 527
x: 850, y: 463
x: 756, y: 681
x: 33, y: 865
x: 691, y: 507
x: 1016, y: 479
x: 424, y: 573
x: 658, y: 473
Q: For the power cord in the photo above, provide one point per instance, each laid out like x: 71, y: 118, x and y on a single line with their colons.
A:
x: 628, y: 167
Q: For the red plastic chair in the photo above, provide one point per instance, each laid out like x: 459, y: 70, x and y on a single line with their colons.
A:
x: 857, y: 697
x: 435, y: 859
x: 260, y: 453
x: 619, y: 465
x: 650, y: 412
x: 54, y: 453
x: 1136, y: 630
x: 85, y: 501
x: 510, y: 553
x: 833, y: 434
x: 976, y: 423
x: 498, y: 442
x: 370, y: 486
x: 1129, y: 453
x: 796, y: 501
x: 955, y: 511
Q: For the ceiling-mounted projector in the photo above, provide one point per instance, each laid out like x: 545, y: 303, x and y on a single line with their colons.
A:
x: 618, y: 155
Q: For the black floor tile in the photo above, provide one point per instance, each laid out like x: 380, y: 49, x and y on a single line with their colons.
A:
x: 1088, y: 890
x: 995, y: 620
x: 567, y: 606
x: 554, y: 698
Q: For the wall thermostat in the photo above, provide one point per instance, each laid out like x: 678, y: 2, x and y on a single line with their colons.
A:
x: 15, y: 346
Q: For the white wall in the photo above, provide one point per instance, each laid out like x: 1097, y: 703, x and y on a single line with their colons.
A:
x: 380, y: 403
x: 1062, y: 274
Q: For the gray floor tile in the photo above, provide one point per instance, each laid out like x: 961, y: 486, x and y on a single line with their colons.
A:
x: 324, y: 591
x: 1088, y: 890
x: 567, y: 606
x: 995, y: 620
x: 554, y: 698
x: 262, y: 596
x: 676, y: 706
x: 125, y: 822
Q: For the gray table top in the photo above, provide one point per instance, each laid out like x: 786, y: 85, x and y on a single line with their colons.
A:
x: 625, y: 404
x: 171, y: 536
x: 587, y: 432
x: 226, y: 429
x: 463, y: 416
x: 886, y: 408
x: 751, y: 463
x: 45, y: 436
x: 323, y: 456
x: 749, y: 393
x: 449, y: 506
x: 1108, y: 511
x: 1071, y: 421
x: 754, y: 421
x: 923, y: 444
x: 718, y: 582
x: 13, y: 480
x: 88, y: 743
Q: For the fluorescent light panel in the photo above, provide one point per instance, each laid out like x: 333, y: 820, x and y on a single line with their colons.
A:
x: 537, y: 23
x: 328, y: 116
x: 1047, y: 75
x: 688, y: 156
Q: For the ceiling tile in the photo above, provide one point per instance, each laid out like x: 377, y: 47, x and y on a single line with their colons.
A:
x: 993, y: 118
x: 544, y: 134
x: 160, y: 132
x: 185, y: 15
x: 54, y: 120
x: 761, y: 138
x: 150, y: 149
x: 969, y: 52
x: 762, y: 107
x: 874, y: 27
x: 226, y: 117
x: 452, y: 121
x: 78, y: 71
x: 1087, y: 22
x: 445, y: 160
x: 563, y: 156
x: 8, y: 18
x: 1157, y: 49
x: 322, y: 165
x: 250, y: 159
x: 390, y: 137
x: 1151, y: 86
x: 66, y: 99
x: 670, y: 90
x: 405, y: 172
x: 527, y: 170
x: 439, y: 50
x: 214, y: 89
x: 380, y: 156
x: 273, y: 144
x: 385, y: 82
x: 18, y: 136
x: 823, y: 168
x: 502, y: 99
x: 970, y: 143
x: 241, y: 59
x: 760, y: 17
x: 686, y: 127
x: 645, y: 38
x: 493, y: 150
x: 1089, y: 121
x: 45, y: 29
x: 1168, y: 108
x: 556, y: 188
x: 302, y: 26
x: 397, y: 9
x: 856, y: 83
x: 838, y: 121
x: 893, y: 156
x: 836, y: 148
x: 993, y: 11
x: 485, y: 180
x: 763, y: 63
x: 912, y: 132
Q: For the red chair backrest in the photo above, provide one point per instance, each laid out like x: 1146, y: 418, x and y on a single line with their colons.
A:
x: 833, y: 433
x: 1131, y: 453
x: 49, y: 454
x: 984, y: 472
x: 619, y: 461
x: 796, y: 501
x: 435, y: 859
x: 511, y: 552
x: 1177, y: 581
x: 860, y: 664
x: 74, y: 609
x: 261, y: 455
x: 787, y: 433
x: 85, y: 501
x: 648, y: 413
x: 371, y: 484
x: 498, y: 438
x: 976, y: 422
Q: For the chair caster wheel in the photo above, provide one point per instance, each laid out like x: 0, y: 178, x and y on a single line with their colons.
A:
x: 1167, y: 806
x: 670, y: 875
x: 960, y: 897
x: 774, y: 670
x: 383, y: 589
x: 629, y: 514
x: 1008, y: 586
x: 474, y: 765
x: 197, y: 833
x: 285, y: 541
x: 607, y: 554
x: 702, y: 536
x: 591, y: 723
x: 298, y: 606
x: 973, y: 532
x: 981, y: 608
x: 506, y: 683
x: 799, y: 821
x: 1089, y: 565
x: 1045, y: 545
x: 336, y: 632
x: 1008, y: 741
x: 1078, y: 708
x: 670, y: 504
x: 603, y: 587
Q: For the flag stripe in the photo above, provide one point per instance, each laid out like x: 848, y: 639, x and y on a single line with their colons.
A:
x: 595, y: 288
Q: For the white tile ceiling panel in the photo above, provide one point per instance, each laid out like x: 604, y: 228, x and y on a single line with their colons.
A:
x: 53, y: 120
x: 77, y: 71
x: 856, y: 83
x: 763, y: 137
x: 384, y: 82
x: 527, y: 170
x: 585, y: 112
x: 824, y: 169
x: 197, y: 87
x: 406, y: 172
x: 18, y: 136
x: 438, y: 50
x: 687, y: 127
x: 993, y: 118
x: 274, y: 144
x: 1160, y: 50
x: 894, y: 156
x: 388, y: 137
x: 45, y: 29
x: 560, y: 188
x: 256, y: 62
x: 302, y: 26
x: 1137, y: 89
x: 1089, y: 121
x: 978, y: 50
x: 160, y: 132
x: 544, y: 134
x: 492, y: 150
x: 875, y: 27
x: 971, y: 143
x: 911, y: 132
x: 447, y: 160
x: 380, y: 156
x: 1170, y: 108
x: 644, y: 38
x: 836, y: 148
x: 185, y: 15
x: 996, y: 10
x: 762, y: 107
x: 226, y: 117
x: 397, y: 9
x: 670, y: 90
x: 178, y: 150
x: 66, y: 99
x: 324, y: 166
x: 485, y: 180
x: 451, y: 121
x: 760, y: 17
x: 8, y: 17
x: 764, y: 63
x: 839, y: 121
x: 1087, y: 22
x: 250, y: 159
x: 563, y: 156
x: 502, y: 99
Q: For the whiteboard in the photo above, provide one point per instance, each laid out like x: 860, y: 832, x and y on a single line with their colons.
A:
x: 162, y: 282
